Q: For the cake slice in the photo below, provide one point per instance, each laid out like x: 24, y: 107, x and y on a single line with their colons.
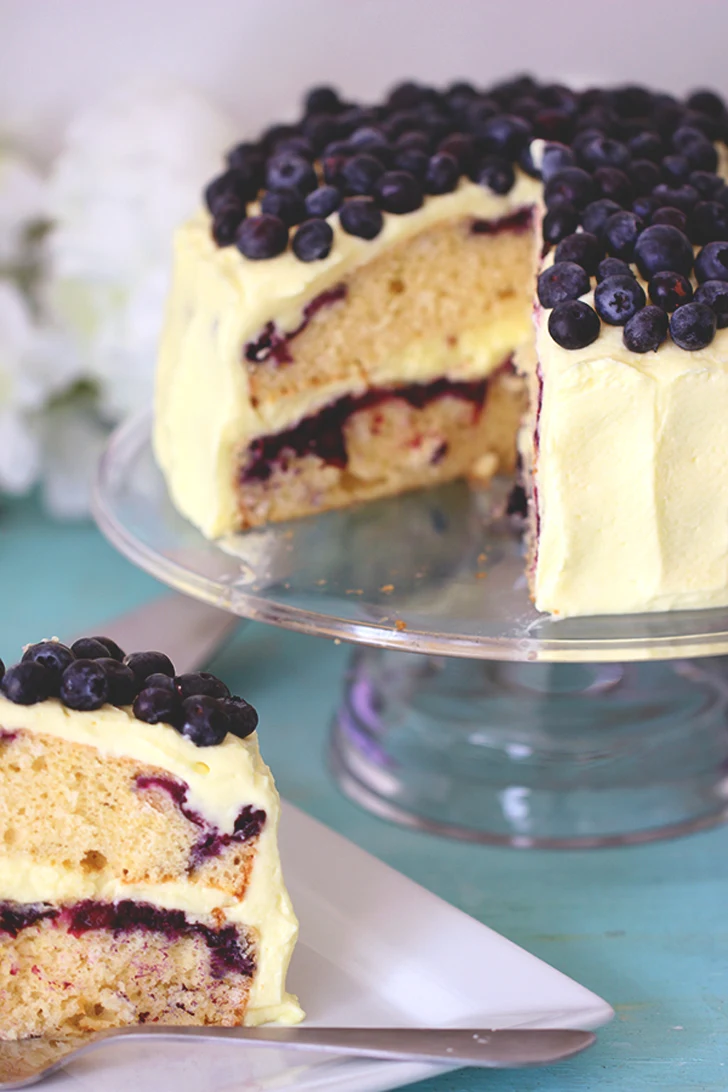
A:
x: 139, y: 873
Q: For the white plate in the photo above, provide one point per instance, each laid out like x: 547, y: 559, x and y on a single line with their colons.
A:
x: 375, y: 949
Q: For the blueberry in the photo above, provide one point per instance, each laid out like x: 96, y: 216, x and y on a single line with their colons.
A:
x: 2, y: 670
x: 398, y: 192
x: 144, y: 664
x: 674, y: 217
x: 670, y: 290
x: 647, y: 145
x: 157, y: 681
x: 243, y: 717
x: 613, y: 267
x: 675, y: 169
x: 663, y: 247
x: 321, y: 129
x: 693, y: 326
x: 262, y: 237
x: 360, y: 216
x: 559, y: 222
x: 51, y: 654
x: 332, y: 167
x: 295, y: 145
x: 597, y: 213
x: 601, y: 151
x: 715, y: 294
x: 313, y: 240
x: 155, y: 705
x: 28, y: 683
x: 646, y: 330
x: 204, y: 721
x: 571, y: 183
x: 581, y: 247
x: 505, y: 135
x: 442, y: 173
x: 587, y: 133
x: 414, y: 140
x: 275, y: 134
x: 89, y: 648
x: 322, y: 202
x: 200, y: 682
x: 496, y: 173
x: 711, y: 263
x: 461, y: 146
x: 573, y: 324
x: 228, y: 186
x: 644, y: 206
x: 84, y: 685
x: 371, y: 140
x: 412, y: 160
x: 122, y: 682
x: 337, y: 147
x: 707, y: 184
x: 287, y: 205
x: 405, y: 95
x: 562, y: 281
x: 707, y: 103
x: 696, y: 148
x: 708, y: 222
x: 644, y: 176
x: 322, y: 100
x: 226, y: 221
x: 616, y: 299
x: 290, y: 171
x: 612, y: 183
x: 360, y: 174
x: 555, y: 158
x: 679, y: 197
x: 249, y: 160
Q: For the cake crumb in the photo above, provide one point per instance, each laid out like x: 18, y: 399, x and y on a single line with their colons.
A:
x: 387, y: 588
x: 354, y: 591
x: 321, y: 583
x: 399, y: 624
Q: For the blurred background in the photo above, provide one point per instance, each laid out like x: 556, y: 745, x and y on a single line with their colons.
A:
x: 112, y: 116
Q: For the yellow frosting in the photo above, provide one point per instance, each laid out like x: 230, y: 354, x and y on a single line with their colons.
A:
x: 220, y: 300
x: 221, y: 781
x: 632, y: 465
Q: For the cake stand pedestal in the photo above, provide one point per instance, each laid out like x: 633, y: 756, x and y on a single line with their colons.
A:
x: 464, y: 712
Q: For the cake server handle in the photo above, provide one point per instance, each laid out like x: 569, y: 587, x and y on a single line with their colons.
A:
x: 28, y: 1061
x: 187, y: 630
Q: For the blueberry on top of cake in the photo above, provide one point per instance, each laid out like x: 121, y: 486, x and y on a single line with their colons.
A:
x: 139, y: 871
x: 367, y: 251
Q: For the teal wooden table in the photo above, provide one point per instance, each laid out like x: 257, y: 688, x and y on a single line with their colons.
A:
x: 647, y: 928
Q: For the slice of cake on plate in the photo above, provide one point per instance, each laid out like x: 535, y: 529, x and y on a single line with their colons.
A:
x: 139, y: 872
x: 346, y: 314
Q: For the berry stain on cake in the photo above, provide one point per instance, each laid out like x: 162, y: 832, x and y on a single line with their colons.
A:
x: 139, y: 872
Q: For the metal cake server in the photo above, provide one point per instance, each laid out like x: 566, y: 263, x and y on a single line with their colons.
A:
x: 29, y: 1061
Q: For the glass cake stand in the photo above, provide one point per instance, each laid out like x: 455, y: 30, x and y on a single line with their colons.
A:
x: 465, y: 711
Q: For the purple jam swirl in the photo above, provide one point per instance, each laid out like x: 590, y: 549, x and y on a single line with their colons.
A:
x: 273, y: 344
x: 211, y: 843
x: 7, y: 736
x: 227, y: 954
x: 322, y: 434
x: 16, y: 916
x: 516, y: 222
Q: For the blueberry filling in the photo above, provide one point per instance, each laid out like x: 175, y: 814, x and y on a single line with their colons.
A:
x: 322, y: 434
x: 228, y: 955
x: 211, y: 843
x: 273, y: 344
x: 517, y: 222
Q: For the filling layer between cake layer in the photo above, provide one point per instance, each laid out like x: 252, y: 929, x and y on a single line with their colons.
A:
x: 88, y: 965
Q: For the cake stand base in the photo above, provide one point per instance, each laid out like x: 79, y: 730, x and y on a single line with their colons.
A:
x: 549, y: 755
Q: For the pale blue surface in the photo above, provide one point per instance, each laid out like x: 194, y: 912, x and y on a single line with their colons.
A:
x: 646, y: 927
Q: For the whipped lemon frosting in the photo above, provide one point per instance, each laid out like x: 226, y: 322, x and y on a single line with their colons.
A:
x: 631, y: 466
x: 220, y: 781
x: 220, y: 301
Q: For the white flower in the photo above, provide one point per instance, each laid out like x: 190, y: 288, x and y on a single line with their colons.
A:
x: 132, y: 168
x: 72, y: 439
x: 20, y: 393
x: 23, y: 203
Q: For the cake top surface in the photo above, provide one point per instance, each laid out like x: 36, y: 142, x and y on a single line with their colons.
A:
x: 628, y: 175
x: 94, y: 673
